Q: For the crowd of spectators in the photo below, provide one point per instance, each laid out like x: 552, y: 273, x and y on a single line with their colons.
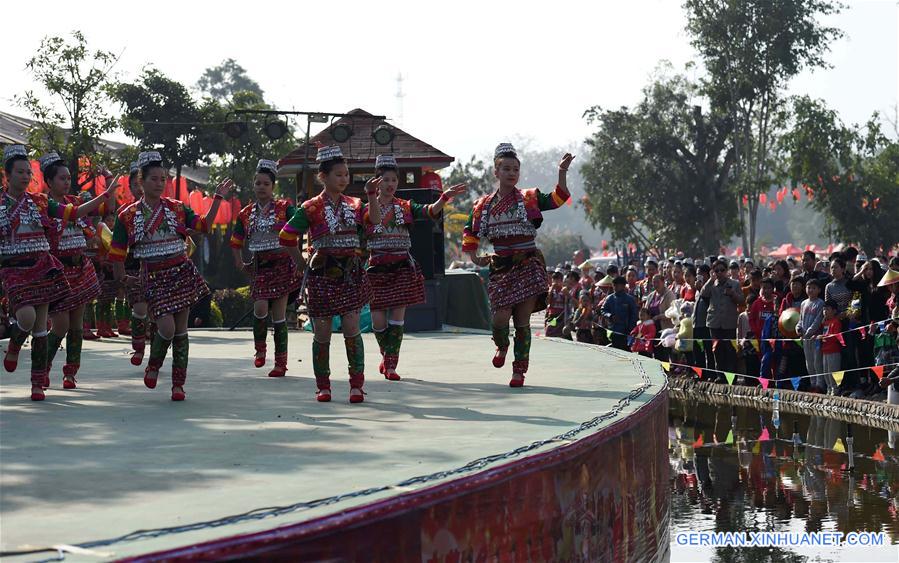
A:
x: 777, y: 320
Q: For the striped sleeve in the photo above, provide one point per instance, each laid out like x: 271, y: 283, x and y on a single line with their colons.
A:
x: 470, y: 238
x: 238, y: 234
x: 294, y: 228
x: 195, y: 222
x: 118, y: 250
x: 552, y: 200
x: 67, y: 212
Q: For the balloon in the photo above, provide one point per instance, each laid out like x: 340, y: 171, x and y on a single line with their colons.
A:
x: 787, y: 323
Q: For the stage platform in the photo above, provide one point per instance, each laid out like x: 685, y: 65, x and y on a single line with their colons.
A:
x: 448, y: 462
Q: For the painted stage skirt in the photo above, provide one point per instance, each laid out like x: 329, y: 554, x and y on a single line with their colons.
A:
x: 276, y: 275
x: 516, y: 278
x: 34, y: 279
x: 398, y: 284
x: 84, y: 286
x: 339, y: 286
x: 172, y: 285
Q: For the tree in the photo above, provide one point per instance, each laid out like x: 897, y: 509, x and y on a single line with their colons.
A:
x: 76, y: 80
x: 160, y: 112
x: 657, y: 175
x: 850, y: 174
x: 558, y: 245
x: 223, y: 82
x: 751, y: 49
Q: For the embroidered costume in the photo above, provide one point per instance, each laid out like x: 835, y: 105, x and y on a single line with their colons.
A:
x: 336, y: 283
x: 517, y: 269
x: 274, y: 272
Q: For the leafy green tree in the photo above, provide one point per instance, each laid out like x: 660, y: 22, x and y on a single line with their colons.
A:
x: 74, y: 118
x: 751, y: 49
x: 657, y: 175
x: 160, y: 113
x: 851, y: 172
x: 226, y: 80
x: 558, y: 245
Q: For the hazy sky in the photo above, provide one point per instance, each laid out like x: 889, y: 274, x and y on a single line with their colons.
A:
x: 476, y: 73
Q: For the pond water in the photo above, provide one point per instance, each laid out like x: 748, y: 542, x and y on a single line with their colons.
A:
x: 741, y: 469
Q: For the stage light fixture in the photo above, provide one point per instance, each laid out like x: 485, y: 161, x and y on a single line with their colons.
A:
x: 341, y: 133
x: 236, y: 129
x: 274, y: 130
x: 383, y: 135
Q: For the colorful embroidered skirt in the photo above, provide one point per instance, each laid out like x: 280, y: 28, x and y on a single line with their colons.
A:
x: 172, y: 285
x: 516, y: 278
x: 84, y: 286
x: 339, y: 287
x: 276, y: 276
x: 398, y: 284
x: 34, y: 279
x: 109, y: 287
x: 135, y: 292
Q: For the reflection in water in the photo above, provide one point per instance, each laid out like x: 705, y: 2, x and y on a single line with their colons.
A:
x: 739, y: 469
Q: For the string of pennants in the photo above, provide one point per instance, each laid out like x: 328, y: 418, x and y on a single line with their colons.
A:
x: 794, y: 381
x: 765, y: 436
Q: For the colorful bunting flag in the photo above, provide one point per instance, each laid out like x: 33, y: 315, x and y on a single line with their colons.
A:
x: 666, y: 366
x: 878, y: 371
x: 729, y: 377
x: 730, y: 437
x: 699, y: 442
x: 700, y: 345
x: 878, y: 455
x: 838, y: 376
x: 795, y: 382
x: 799, y: 342
x: 698, y: 371
x: 772, y: 342
x: 609, y: 334
x: 764, y: 436
x: 861, y: 331
x: 838, y: 446
x: 840, y: 339
x: 764, y: 382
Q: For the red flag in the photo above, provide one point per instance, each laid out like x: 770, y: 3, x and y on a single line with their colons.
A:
x: 699, y: 442
x: 861, y: 329
x: 840, y: 339
x: 878, y: 455
x: 878, y: 371
x: 772, y: 342
x: 698, y: 371
x: 764, y: 383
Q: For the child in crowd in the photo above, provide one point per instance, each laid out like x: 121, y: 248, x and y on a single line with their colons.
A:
x: 811, y: 316
x: 831, y: 348
x: 643, y: 334
x: 763, y: 323
x: 582, y: 322
x: 555, y: 306
x: 748, y: 341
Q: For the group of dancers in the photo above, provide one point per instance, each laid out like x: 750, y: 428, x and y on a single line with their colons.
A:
x: 358, y: 253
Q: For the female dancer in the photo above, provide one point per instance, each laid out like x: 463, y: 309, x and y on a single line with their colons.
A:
x: 509, y: 219
x: 33, y: 279
x: 337, y: 282
x: 68, y: 243
x: 109, y: 286
x: 274, y: 272
x: 134, y: 292
x: 156, y: 228
x: 396, y: 278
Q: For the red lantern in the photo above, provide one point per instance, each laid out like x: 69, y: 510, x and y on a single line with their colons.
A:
x: 196, y: 201
x: 431, y: 181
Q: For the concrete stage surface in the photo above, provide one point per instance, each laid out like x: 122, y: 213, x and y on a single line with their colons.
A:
x: 112, y: 457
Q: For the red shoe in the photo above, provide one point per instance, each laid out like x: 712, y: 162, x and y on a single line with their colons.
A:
x: 278, y: 371
x: 37, y: 395
x: 323, y: 395
x: 68, y: 373
x: 392, y: 376
x: 357, y: 398
x: 11, y: 365
x: 517, y: 380
x: 178, y: 395
x: 88, y: 334
x: 137, y: 358
x: 381, y: 367
x: 150, y: 382
x: 105, y: 331
x: 124, y: 327
x: 499, y: 359
x: 259, y: 359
